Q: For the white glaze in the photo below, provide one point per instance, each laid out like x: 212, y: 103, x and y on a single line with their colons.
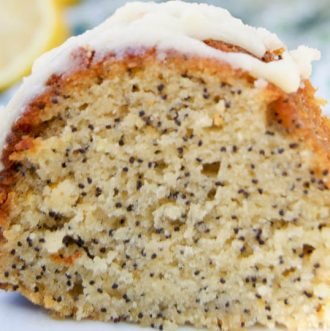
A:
x: 173, y: 25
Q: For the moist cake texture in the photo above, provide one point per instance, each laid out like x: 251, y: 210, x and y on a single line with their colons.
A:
x: 168, y: 190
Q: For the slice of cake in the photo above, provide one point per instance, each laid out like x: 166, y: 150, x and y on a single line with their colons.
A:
x: 170, y: 167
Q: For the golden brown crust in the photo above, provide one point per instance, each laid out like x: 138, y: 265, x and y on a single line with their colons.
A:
x: 6, y: 183
x: 225, y: 47
x: 300, y: 113
x: 270, y: 56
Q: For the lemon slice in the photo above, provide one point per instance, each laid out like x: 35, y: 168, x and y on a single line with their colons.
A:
x: 27, y: 29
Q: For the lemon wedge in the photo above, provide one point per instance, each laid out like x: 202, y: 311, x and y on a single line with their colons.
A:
x: 27, y: 29
x: 67, y: 2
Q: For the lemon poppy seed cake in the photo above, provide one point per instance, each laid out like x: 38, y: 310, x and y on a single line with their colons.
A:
x: 169, y: 167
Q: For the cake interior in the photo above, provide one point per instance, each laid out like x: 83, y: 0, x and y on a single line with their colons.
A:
x: 168, y: 193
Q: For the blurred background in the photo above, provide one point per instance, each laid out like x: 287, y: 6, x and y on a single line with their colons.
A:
x: 295, y: 21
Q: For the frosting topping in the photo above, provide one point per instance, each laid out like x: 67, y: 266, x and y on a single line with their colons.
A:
x: 173, y: 25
